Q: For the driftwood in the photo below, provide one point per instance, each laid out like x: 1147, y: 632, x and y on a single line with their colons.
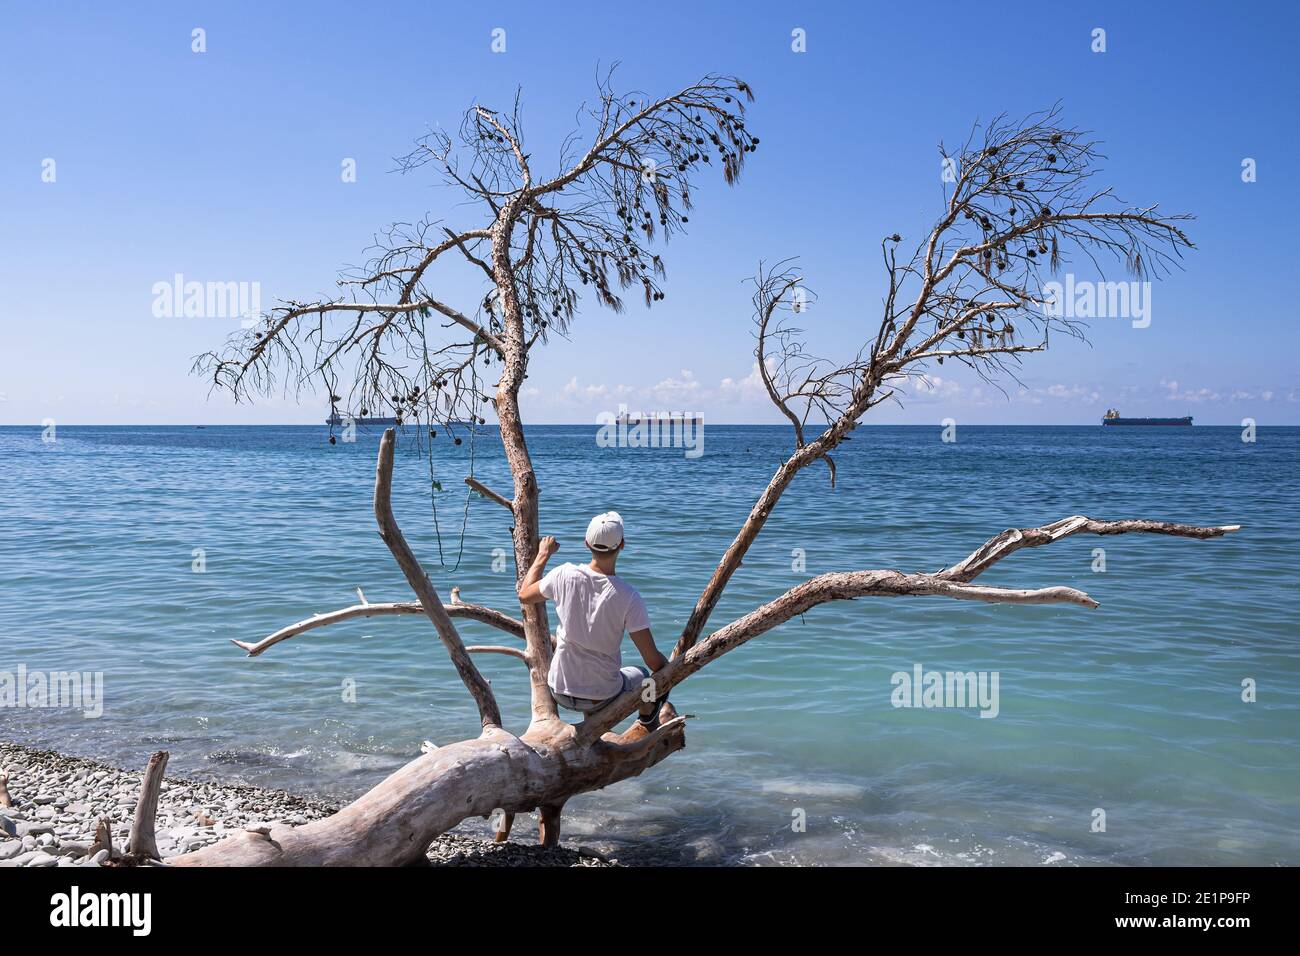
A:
x: 142, y: 844
x: 1020, y: 202
x: 103, y: 837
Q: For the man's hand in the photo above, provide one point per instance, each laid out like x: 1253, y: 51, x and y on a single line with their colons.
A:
x: 529, y: 592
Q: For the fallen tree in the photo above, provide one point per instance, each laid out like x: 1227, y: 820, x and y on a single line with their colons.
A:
x: 972, y: 291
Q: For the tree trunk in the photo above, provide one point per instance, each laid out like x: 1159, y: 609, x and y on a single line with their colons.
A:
x: 395, y: 822
x: 524, y: 505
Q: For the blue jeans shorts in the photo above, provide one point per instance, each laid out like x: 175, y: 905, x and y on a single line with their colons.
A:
x: 632, y: 677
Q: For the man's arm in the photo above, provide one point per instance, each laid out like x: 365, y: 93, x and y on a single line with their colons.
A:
x: 529, y: 592
x: 645, y: 643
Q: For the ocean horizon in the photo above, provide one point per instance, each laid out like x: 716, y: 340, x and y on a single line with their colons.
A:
x: 492, y: 426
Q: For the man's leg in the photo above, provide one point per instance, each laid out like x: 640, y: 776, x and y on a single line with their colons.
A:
x: 635, y: 676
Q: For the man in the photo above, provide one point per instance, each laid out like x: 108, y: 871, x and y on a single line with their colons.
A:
x: 595, y: 607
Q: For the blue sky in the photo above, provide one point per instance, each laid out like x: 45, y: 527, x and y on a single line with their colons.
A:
x: 225, y: 166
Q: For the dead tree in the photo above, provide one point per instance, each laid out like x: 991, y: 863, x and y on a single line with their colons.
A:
x: 970, y: 292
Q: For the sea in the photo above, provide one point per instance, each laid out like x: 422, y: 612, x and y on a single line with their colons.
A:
x: 1161, y: 728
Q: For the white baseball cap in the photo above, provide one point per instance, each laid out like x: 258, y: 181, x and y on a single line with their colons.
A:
x: 605, y: 533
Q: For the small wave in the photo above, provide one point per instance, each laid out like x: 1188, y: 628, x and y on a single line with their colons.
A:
x: 811, y: 788
x: 262, y: 758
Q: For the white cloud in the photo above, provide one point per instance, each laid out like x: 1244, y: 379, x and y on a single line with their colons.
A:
x: 677, y: 390
x: 748, y: 389
x: 745, y: 398
x: 936, y: 386
x: 584, y: 392
x: 1074, y: 393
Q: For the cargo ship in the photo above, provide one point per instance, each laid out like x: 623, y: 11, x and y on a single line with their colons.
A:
x: 1113, y: 417
x: 659, y: 418
x: 337, y: 419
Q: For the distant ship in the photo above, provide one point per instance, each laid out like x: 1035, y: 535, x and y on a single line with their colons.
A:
x: 337, y: 419
x: 1112, y: 417
x: 659, y: 418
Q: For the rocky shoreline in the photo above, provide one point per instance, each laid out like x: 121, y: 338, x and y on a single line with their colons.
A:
x: 58, y: 800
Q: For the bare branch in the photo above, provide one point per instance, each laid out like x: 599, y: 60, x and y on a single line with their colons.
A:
x: 488, y: 493
x: 950, y: 583
x: 497, y: 649
x: 478, y: 688
x: 473, y: 612
x: 974, y: 291
x: 1013, y: 540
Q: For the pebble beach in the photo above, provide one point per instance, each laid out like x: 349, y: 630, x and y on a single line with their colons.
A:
x: 58, y: 801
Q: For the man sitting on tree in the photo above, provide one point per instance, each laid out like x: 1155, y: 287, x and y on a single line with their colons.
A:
x: 595, y: 607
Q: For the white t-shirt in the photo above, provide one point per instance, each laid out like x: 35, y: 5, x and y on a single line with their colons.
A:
x: 594, y: 610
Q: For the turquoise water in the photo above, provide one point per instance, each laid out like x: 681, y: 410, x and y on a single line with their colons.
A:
x: 1134, y: 708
